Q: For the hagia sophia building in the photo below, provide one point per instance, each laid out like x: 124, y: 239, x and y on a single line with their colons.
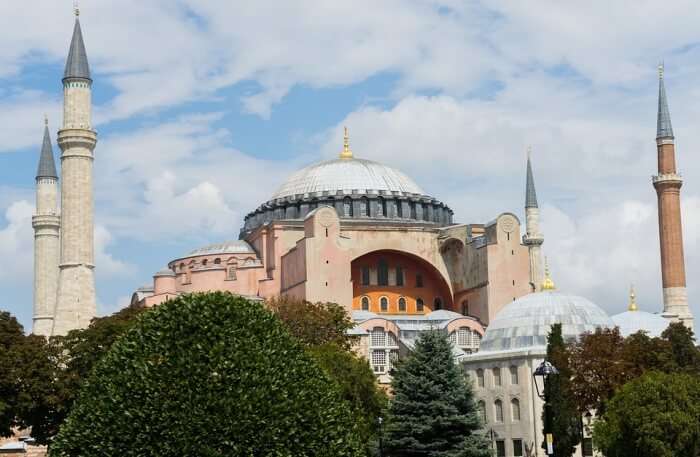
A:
x: 366, y: 236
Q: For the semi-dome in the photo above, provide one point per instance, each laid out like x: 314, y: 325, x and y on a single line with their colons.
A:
x: 526, y: 322
x: 347, y: 176
x: 631, y: 322
x: 227, y: 247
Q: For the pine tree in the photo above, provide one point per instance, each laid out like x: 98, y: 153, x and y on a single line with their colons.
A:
x: 433, y: 412
x: 566, y: 420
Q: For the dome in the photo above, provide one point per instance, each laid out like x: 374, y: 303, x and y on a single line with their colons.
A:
x: 227, y: 247
x: 347, y: 175
x: 631, y: 322
x: 165, y: 272
x: 526, y: 322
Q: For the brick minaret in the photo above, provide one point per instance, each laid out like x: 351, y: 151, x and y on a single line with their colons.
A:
x: 533, y: 238
x: 46, y: 224
x: 76, y: 285
x: 668, y: 187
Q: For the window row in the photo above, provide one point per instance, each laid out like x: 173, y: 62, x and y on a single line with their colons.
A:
x: 496, y: 376
x: 466, y: 338
x: 384, y: 276
x: 401, y: 304
x: 384, y: 350
x: 497, y: 414
x: 518, y: 449
x: 382, y: 209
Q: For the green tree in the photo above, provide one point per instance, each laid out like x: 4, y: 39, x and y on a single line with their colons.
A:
x: 433, y: 412
x: 208, y: 374
x: 566, y: 420
x: 314, y: 324
x: 11, y: 336
x: 657, y: 415
x: 685, y: 354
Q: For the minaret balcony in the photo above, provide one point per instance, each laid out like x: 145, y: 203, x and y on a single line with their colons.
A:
x: 667, y: 178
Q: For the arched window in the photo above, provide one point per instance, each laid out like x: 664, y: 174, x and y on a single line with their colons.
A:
x: 364, y: 207
x: 384, y: 304
x: 419, y: 305
x: 381, y: 207
x: 498, y: 406
x: 514, y: 375
x: 217, y: 261
x: 496, y: 376
x: 182, y: 267
x: 365, y: 303
x: 402, y: 304
x: 515, y: 409
x: 231, y: 275
x: 347, y: 207
x: 438, y: 303
x: 204, y: 262
x: 482, y: 411
x: 414, y: 214
x: 465, y: 307
x: 399, y: 276
x: 480, y: 378
x: 425, y: 211
x: 399, y: 209
x: 383, y: 273
x: 463, y: 337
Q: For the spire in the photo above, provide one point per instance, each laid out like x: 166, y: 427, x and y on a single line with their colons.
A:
x: 77, y: 63
x: 47, y: 166
x: 347, y: 153
x: 663, y: 122
x: 530, y: 194
x: 633, y: 300
x: 548, y: 283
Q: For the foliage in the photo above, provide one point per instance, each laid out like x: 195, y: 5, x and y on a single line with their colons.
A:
x: 358, y: 386
x: 657, y: 415
x: 565, y: 418
x: 208, y: 374
x: 314, y: 324
x: 433, y: 412
x: 685, y: 355
x: 11, y: 336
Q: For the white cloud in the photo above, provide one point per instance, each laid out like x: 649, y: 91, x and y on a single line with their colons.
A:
x: 107, y: 265
x: 16, y: 241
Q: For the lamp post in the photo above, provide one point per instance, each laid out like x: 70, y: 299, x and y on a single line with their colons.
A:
x: 541, y: 378
x: 380, y: 420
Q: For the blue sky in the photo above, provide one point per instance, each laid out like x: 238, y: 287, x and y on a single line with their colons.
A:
x: 204, y: 106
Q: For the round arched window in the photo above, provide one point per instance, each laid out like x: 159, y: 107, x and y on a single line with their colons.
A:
x: 419, y: 305
x: 438, y: 303
x: 384, y: 303
x: 365, y: 303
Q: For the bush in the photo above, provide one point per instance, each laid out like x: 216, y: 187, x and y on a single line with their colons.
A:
x: 208, y: 375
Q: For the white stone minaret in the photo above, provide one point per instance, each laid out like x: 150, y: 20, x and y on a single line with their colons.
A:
x: 76, y: 285
x: 46, y: 224
x: 533, y: 238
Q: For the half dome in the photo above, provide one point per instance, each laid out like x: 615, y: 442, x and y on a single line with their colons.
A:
x: 526, y: 322
x: 631, y: 322
x: 348, y: 175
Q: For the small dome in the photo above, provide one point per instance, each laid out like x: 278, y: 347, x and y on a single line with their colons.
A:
x: 227, y: 247
x: 526, y: 322
x: 347, y: 175
x: 164, y: 272
x: 631, y: 322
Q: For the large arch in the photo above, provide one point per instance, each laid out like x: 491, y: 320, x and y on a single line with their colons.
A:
x: 411, y: 279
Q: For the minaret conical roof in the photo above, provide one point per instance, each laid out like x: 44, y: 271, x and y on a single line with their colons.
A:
x: 77, y: 62
x: 663, y: 122
x: 530, y: 194
x: 47, y: 166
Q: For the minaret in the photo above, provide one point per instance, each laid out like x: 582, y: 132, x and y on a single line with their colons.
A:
x: 76, y: 285
x: 533, y: 238
x: 46, y: 224
x: 668, y: 187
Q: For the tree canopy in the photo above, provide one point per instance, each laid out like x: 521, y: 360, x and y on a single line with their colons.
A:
x: 433, y: 412
x: 656, y: 415
x: 208, y: 374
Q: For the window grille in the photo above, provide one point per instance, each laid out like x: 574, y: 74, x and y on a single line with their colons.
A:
x: 453, y: 338
x: 379, y: 361
x: 378, y: 337
x: 391, y: 339
x: 463, y: 337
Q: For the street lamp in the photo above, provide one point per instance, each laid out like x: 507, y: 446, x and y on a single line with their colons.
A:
x: 541, y: 378
x: 380, y: 419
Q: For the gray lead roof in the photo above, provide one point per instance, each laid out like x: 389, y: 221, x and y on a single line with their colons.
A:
x: 47, y: 166
x: 530, y: 194
x: 77, y: 63
x: 663, y: 122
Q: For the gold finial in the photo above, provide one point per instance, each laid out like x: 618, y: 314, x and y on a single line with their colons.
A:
x: 347, y: 153
x: 633, y: 300
x: 548, y: 283
x: 661, y: 70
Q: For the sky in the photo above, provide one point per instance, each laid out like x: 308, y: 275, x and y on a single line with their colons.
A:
x: 203, y: 107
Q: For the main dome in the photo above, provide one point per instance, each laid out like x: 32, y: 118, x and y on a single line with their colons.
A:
x: 526, y: 322
x: 348, y: 175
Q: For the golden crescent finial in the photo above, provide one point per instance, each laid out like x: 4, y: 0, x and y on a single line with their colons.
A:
x: 633, y: 300
x: 347, y: 153
x: 548, y: 283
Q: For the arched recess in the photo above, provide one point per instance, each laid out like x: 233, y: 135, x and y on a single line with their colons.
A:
x: 411, y: 266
